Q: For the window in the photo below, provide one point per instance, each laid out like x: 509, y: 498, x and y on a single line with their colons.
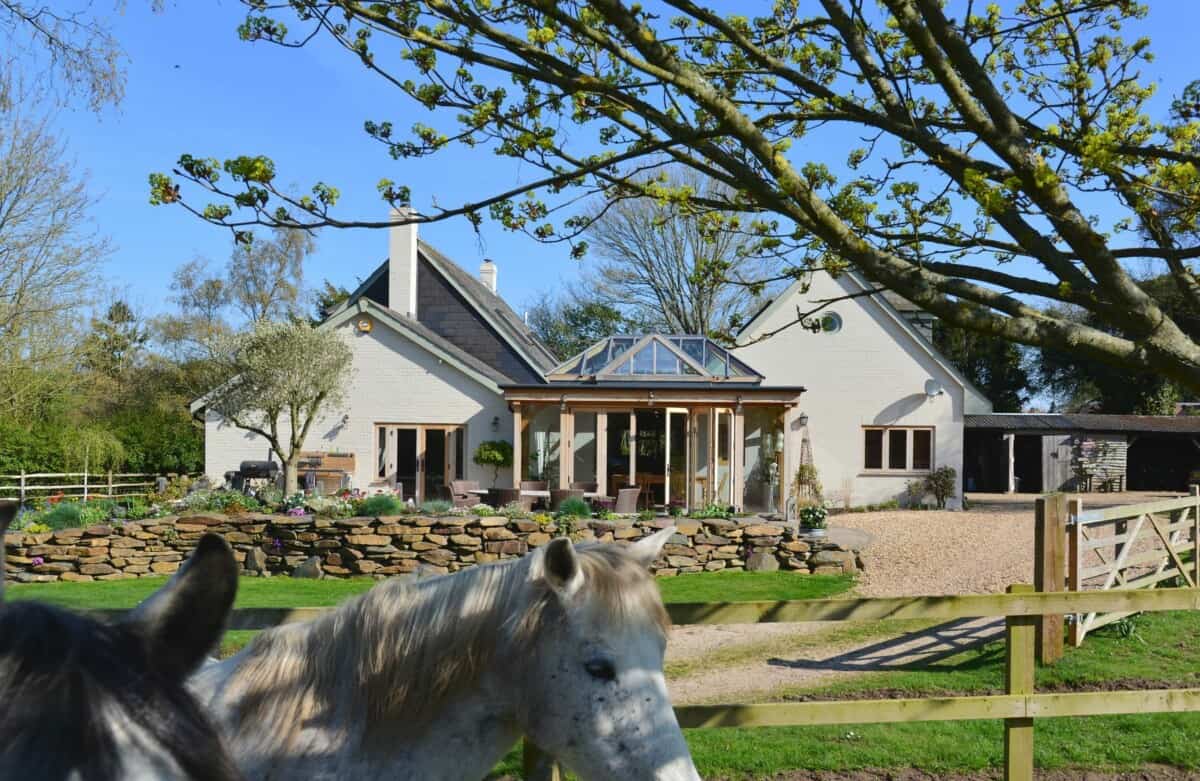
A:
x: 903, y: 449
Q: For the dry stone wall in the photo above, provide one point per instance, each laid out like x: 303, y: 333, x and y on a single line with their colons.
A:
x: 393, y: 545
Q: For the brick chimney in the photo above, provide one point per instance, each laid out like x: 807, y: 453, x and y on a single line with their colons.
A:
x: 402, y: 265
x: 487, y: 274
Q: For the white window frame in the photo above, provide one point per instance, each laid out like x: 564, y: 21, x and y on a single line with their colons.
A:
x: 884, y: 468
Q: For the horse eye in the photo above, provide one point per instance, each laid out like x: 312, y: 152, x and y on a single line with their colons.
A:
x: 601, y: 669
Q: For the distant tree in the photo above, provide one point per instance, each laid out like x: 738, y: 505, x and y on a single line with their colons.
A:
x: 1078, y: 383
x: 275, y: 380
x: 568, y: 325
x: 675, y: 268
x: 114, y: 341
x: 995, y: 366
x: 68, y: 46
x: 91, y: 447
x: 49, y: 251
x: 328, y: 298
x: 265, y: 276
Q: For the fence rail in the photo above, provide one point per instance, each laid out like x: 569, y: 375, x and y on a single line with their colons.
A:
x: 1018, y: 707
x: 1138, y: 546
x: 26, y: 485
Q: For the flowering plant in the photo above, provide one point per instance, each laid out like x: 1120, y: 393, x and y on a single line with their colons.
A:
x: 296, y: 512
x: 813, y: 516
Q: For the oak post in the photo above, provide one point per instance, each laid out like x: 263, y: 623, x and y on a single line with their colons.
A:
x: 1020, y: 632
x: 1049, y: 570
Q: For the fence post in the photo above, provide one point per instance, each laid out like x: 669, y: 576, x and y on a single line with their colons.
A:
x: 1020, y: 632
x: 21, y: 490
x: 1196, y: 534
x: 1075, y: 566
x: 110, y: 484
x: 537, y: 765
x: 1049, y: 554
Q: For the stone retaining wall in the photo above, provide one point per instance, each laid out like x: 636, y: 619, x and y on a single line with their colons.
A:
x: 393, y: 545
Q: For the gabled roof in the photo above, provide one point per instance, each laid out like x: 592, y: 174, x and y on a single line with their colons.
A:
x: 423, y: 337
x: 654, y: 358
x: 891, y: 312
x: 491, y: 307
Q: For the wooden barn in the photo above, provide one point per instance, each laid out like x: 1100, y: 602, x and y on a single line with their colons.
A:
x: 1037, y: 453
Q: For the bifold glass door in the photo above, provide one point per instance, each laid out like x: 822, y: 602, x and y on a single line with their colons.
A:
x: 420, y: 460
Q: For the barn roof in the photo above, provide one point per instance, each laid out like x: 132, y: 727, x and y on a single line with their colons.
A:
x: 1065, y: 423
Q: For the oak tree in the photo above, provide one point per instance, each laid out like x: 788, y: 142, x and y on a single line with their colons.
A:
x: 984, y: 162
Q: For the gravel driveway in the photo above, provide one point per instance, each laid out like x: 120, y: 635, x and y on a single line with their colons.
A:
x: 982, y: 550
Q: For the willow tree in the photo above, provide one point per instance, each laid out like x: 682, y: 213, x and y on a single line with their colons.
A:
x: 987, y: 164
x: 277, y: 380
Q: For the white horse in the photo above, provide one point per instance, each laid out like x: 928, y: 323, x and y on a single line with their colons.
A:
x: 438, y: 678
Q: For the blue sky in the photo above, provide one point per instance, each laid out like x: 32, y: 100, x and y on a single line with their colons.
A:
x: 193, y: 87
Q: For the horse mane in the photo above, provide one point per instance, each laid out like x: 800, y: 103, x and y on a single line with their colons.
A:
x: 71, y: 685
x: 403, y: 648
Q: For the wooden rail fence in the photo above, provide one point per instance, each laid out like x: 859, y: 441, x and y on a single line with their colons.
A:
x: 1022, y: 607
x: 1138, y: 546
x: 103, y: 484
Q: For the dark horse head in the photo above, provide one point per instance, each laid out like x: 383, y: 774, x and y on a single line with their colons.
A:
x: 82, y: 700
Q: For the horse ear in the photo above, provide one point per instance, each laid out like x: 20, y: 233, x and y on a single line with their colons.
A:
x: 182, y: 622
x: 560, y: 567
x: 645, y: 551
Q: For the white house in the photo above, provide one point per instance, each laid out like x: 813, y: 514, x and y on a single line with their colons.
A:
x: 882, y: 405
x: 432, y: 347
x: 442, y: 363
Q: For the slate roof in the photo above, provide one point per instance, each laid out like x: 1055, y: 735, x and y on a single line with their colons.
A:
x: 1034, y: 422
x: 484, y: 299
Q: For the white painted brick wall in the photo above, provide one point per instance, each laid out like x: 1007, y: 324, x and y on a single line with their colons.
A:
x: 393, y: 381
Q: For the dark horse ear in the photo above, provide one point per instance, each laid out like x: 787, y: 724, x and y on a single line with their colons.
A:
x: 182, y: 622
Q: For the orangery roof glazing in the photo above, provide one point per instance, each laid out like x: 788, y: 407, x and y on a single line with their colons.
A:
x: 655, y: 357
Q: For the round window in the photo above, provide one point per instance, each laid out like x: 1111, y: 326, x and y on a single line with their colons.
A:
x: 831, y: 322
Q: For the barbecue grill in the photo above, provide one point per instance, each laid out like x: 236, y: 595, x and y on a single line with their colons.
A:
x: 252, y: 470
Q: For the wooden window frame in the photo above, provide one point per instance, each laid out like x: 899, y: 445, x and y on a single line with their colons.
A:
x: 909, y: 441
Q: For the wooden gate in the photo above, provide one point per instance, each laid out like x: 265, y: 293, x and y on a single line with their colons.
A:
x: 1136, y: 546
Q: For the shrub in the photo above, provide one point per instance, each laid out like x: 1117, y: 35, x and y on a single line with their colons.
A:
x: 914, y: 493
x: 177, y: 487
x: 940, y: 482
x: 574, y: 507
x: 229, y: 502
x: 514, y: 510
x: 646, y: 516
x: 813, y: 516
x: 329, y: 506
x: 436, y: 507
x: 496, y: 453
x: 712, y: 511
x: 270, y: 496
x: 483, y: 509
x: 64, y: 515
x: 543, y: 519
x: 806, y: 483
x: 381, y: 504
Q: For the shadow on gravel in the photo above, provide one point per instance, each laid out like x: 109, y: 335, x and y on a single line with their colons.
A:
x: 913, y: 651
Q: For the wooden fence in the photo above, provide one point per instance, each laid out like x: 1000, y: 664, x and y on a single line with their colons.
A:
x: 1137, y: 546
x: 75, y: 485
x: 1018, y: 707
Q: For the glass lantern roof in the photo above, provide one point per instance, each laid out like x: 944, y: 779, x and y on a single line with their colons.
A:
x: 655, y: 357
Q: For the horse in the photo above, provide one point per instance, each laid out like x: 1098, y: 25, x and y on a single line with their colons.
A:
x: 81, y: 700
x: 438, y: 678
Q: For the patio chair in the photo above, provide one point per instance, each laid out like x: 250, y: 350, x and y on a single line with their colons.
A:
x: 560, y: 495
x: 460, y: 493
x: 586, y: 487
x: 627, y: 501
x: 499, y: 497
x: 533, y: 485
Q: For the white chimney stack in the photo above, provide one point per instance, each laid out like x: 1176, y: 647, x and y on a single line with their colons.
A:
x: 402, y: 264
x: 487, y: 274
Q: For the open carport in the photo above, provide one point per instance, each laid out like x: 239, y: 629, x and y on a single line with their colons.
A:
x: 1036, y: 452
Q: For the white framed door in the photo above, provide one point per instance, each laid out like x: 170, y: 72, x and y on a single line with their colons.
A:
x: 678, y: 457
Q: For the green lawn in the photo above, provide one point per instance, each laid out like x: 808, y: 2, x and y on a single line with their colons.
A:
x: 291, y: 592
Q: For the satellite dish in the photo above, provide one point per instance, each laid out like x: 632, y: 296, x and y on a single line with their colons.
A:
x: 933, y: 388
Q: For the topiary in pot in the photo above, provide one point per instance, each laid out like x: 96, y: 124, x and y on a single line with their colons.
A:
x: 496, y: 453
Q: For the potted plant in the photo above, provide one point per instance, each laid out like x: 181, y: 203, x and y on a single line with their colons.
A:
x: 812, y: 520
x: 496, y: 453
